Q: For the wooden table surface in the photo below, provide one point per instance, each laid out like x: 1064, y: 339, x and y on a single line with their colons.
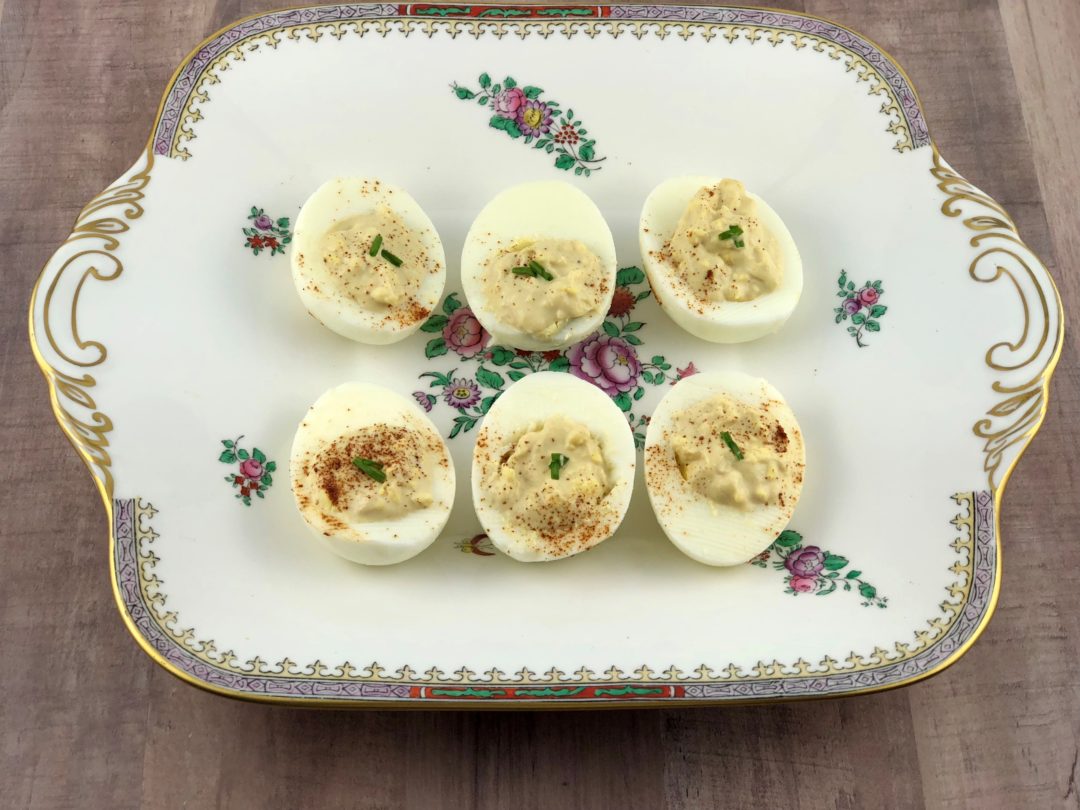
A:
x: 87, y: 720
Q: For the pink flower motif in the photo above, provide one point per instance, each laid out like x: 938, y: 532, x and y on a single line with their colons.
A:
x: 851, y: 305
x: 610, y: 363
x: 806, y: 562
x: 464, y: 334
x: 263, y: 222
x: 803, y: 584
x: 868, y: 296
x: 682, y: 373
x: 508, y: 102
x: 461, y: 393
x: 422, y: 400
x: 252, y: 469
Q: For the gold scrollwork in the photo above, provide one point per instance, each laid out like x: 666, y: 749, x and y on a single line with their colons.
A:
x: 1029, y: 360
x: 103, y: 219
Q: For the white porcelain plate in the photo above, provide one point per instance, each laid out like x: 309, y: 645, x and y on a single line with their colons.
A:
x: 917, y: 360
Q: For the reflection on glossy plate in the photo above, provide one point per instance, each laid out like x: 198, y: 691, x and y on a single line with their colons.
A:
x: 179, y: 358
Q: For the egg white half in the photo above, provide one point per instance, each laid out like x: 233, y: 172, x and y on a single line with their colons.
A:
x: 540, y: 210
x: 338, y: 200
x: 713, y: 533
x: 525, y: 405
x: 342, y: 411
x: 723, y: 321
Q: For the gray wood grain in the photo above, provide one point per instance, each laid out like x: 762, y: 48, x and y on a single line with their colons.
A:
x: 86, y: 720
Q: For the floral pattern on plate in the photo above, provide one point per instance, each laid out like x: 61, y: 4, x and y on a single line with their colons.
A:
x: 253, y: 475
x: 861, y: 305
x: 609, y: 359
x: 811, y: 570
x: 522, y: 112
x: 267, y: 233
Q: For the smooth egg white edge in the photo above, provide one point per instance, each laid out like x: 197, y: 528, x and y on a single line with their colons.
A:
x: 527, y: 402
x: 726, y: 321
x: 550, y: 209
x: 340, y: 199
x: 371, y: 543
x: 728, y: 535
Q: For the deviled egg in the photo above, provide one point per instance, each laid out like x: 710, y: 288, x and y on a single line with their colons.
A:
x: 366, y: 260
x: 720, y: 261
x: 553, y: 468
x: 538, y: 266
x: 724, y: 464
x: 371, y: 475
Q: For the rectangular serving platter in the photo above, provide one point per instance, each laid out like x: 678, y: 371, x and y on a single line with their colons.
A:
x: 176, y: 349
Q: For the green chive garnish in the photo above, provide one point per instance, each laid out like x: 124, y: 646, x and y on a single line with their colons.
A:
x: 372, y: 469
x: 534, y: 270
x: 538, y: 269
x: 558, y: 461
x: 730, y: 442
x: 376, y: 243
x: 733, y: 233
x: 390, y: 257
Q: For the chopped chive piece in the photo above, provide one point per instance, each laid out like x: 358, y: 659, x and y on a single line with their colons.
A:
x: 558, y: 461
x: 390, y: 257
x: 733, y: 233
x: 533, y: 270
x: 376, y: 243
x: 538, y: 270
x: 372, y: 469
x: 730, y: 442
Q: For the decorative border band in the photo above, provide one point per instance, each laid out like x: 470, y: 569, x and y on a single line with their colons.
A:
x: 182, y: 106
x: 144, y: 602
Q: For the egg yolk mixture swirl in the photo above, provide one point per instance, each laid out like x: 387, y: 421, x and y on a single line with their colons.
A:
x: 709, y: 464
x: 376, y: 261
x: 571, y: 285
x: 720, y: 250
x: 403, y: 456
x: 524, y: 489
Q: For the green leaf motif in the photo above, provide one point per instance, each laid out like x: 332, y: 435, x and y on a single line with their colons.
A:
x: 515, y: 375
x: 788, y: 538
x: 531, y: 92
x: 451, y: 304
x: 834, y: 562
x: 564, y: 162
x: 560, y: 363
x: 227, y: 442
x: 435, y: 348
x: 868, y: 591
x: 587, y: 152
x: 227, y: 457
x: 633, y: 326
x: 509, y: 83
x: 435, y: 323
x: 648, y: 377
x: 853, y: 574
x: 500, y: 355
x: 266, y: 480
x: 489, y: 378
x: 259, y: 455
x: 873, y: 326
x: 611, y: 329
x: 628, y: 276
x: 487, y: 402
x: 877, y: 311
x: 485, y: 80
x: 858, y: 318
x: 623, y: 401
x: 633, y: 340
x: 639, y: 393
x: 271, y: 466
x: 243, y: 454
x: 463, y: 93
